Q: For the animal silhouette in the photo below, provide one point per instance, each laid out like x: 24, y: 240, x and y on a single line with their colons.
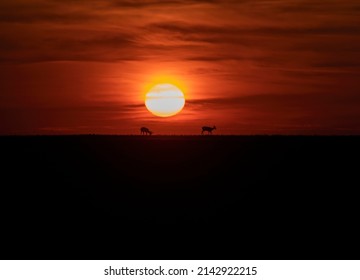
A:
x: 208, y: 129
x: 145, y: 131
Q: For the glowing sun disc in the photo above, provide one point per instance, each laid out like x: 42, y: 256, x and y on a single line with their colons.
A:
x: 164, y: 100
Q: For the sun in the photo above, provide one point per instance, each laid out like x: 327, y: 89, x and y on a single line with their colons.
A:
x: 164, y: 100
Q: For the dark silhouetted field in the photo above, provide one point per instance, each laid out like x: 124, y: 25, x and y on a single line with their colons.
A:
x: 179, y: 197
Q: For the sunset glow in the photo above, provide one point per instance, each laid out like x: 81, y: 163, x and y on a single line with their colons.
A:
x: 248, y: 67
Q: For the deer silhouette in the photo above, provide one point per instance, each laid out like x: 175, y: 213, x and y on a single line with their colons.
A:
x: 208, y: 129
x: 145, y: 131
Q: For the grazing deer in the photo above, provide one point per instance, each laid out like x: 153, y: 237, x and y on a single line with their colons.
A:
x: 145, y: 131
x: 208, y: 129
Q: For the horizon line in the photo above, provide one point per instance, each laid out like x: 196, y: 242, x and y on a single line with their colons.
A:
x: 171, y: 135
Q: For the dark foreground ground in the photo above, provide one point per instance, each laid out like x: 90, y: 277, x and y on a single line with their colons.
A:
x: 179, y: 197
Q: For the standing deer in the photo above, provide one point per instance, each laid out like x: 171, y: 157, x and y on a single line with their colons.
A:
x: 208, y: 129
x: 145, y: 131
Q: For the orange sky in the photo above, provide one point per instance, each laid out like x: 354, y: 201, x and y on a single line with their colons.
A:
x: 246, y: 66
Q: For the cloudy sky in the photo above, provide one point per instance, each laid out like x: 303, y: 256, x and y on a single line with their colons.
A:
x: 246, y: 66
